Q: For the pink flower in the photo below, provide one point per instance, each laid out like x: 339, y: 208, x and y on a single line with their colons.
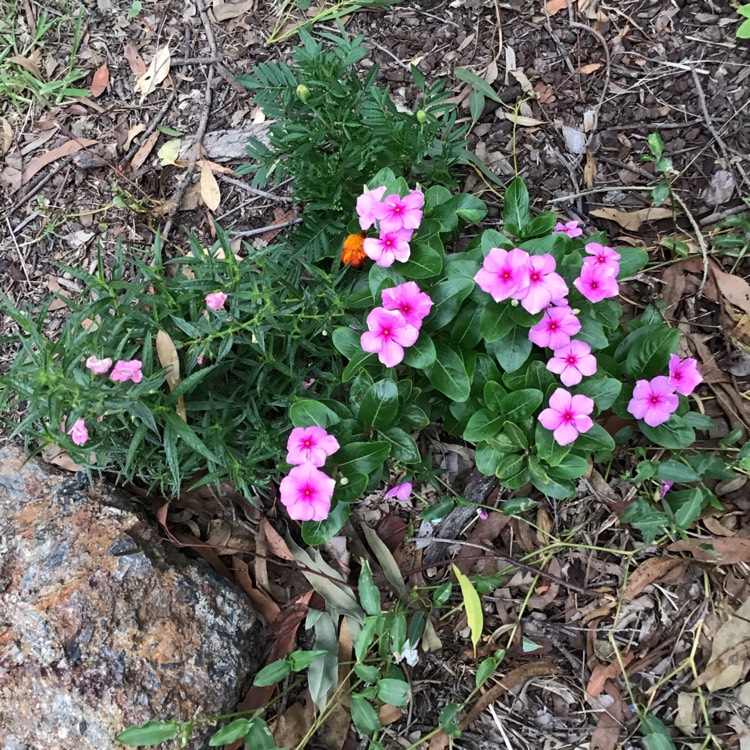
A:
x: 653, y: 401
x: 555, y: 328
x: 596, y: 283
x: 503, y: 272
x: 542, y: 284
x: 572, y: 362
x: 666, y: 486
x: 396, y: 213
x: 306, y: 493
x: 310, y: 445
x: 387, y: 336
x: 389, y: 247
x: 216, y: 300
x: 125, y: 370
x: 570, y: 228
x: 409, y: 300
x: 400, y: 491
x: 567, y: 416
x: 603, y: 256
x: 482, y: 513
x: 307, y: 383
x: 78, y: 432
x: 683, y: 375
x: 366, y: 204
x: 98, y: 366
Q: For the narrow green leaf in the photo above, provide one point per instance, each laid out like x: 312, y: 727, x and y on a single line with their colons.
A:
x: 473, y: 607
x: 150, y: 733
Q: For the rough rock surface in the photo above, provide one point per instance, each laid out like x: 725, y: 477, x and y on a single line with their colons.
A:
x: 102, y: 625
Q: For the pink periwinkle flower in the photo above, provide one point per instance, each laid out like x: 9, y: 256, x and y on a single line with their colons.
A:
x: 653, y: 400
x: 503, y: 273
x: 603, y: 256
x: 409, y: 300
x: 396, y: 213
x: 310, y: 445
x: 555, y: 328
x: 308, y: 383
x: 597, y: 282
x: 99, y: 366
x: 683, y: 375
x: 567, y: 416
x: 387, y: 336
x: 482, y: 513
x: 572, y: 361
x: 125, y: 370
x: 665, y: 487
x: 306, y: 493
x: 570, y: 228
x: 216, y: 300
x: 400, y: 491
x: 78, y: 432
x: 389, y: 247
x: 542, y: 285
x: 366, y: 206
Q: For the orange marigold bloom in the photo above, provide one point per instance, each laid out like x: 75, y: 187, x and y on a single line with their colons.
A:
x: 353, y: 253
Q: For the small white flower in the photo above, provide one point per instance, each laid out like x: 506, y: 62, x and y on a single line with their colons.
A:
x: 409, y: 653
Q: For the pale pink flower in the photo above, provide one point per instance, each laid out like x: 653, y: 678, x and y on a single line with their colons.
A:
x: 409, y: 300
x: 572, y: 361
x: 387, y: 336
x: 482, y: 513
x: 541, y: 284
x: 555, y: 328
x: 396, y: 213
x: 567, y: 416
x: 653, y: 401
x: 601, y: 255
x: 310, y: 445
x: 666, y: 486
x: 306, y: 493
x: 597, y: 283
x: 366, y: 204
x: 99, y: 366
x: 216, y: 300
x: 570, y: 228
x: 683, y: 375
x: 389, y: 247
x: 400, y: 491
x: 78, y: 432
x: 503, y: 272
x: 307, y: 383
x: 125, y: 370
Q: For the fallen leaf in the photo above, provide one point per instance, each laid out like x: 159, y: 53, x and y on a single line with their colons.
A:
x: 467, y: 41
x: 6, y: 136
x: 588, y: 68
x: 169, y: 152
x: 210, y: 193
x: 389, y: 714
x: 526, y: 122
x: 603, y: 672
x: 334, y: 730
x: 280, y: 216
x: 134, y: 59
x: 646, y: 573
x: 27, y: 64
x: 170, y: 361
x: 632, y: 220
x: 266, y: 607
x: 430, y: 639
x: 733, y: 288
x: 589, y: 170
x: 291, y: 727
x: 606, y: 736
x: 157, y: 71
x: 41, y: 161
x: 132, y: 133
x: 276, y: 545
x: 730, y: 647
x: 143, y: 152
x: 228, y: 11
x: 717, y: 550
x: 545, y: 93
x: 555, y: 6
x: 52, y: 454
x: 686, y: 719
x: 100, y: 81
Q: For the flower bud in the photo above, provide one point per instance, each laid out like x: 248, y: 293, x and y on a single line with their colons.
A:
x: 421, y: 116
x: 343, y: 481
x: 303, y: 92
x: 514, y: 303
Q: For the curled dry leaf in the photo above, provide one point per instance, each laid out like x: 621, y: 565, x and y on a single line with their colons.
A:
x: 210, y: 193
x: 132, y: 133
x: 734, y: 289
x: 143, y: 152
x: 730, y: 648
x: 6, y: 136
x: 134, y: 59
x: 632, y: 220
x: 647, y: 573
x: 157, y: 71
x: 555, y: 6
x: 717, y: 550
x: 56, y: 456
x: 100, y: 81
x: 589, y: 68
x: 68, y: 148
x: 170, y: 361
x: 227, y: 11
x: 526, y: 122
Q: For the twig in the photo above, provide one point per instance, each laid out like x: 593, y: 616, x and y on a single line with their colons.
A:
x: 263, y: 230
x: 18, y: 250
x: 608, y: 69
x: 178, y: 61
x: 719, y: 215
x: 654, y: 125
x: 623, y: 165
x: 398, y: 60
x: 561, y: 50
x: 255, y: 191
x: 38, y: 184
x: 698, y: 236
x: 594, y: 191
x: 208, y: 28
x: 151, y: 126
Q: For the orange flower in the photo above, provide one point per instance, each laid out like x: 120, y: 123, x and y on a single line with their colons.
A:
x: 353, y: 253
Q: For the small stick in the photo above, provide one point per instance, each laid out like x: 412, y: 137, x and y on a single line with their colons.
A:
x: 255, y: 191
x: 719, y: 215
x: 607, y: 73
x: 194, y: 61
x: 40, y: 182
x: 18, y: 250
x: 151, y: 126
x: 263, y: 230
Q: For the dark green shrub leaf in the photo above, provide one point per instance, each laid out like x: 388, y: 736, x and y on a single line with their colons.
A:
x: 603, y: 391
x: 632, y: 260
x: 649, y: 354
x: 299, y: 660
x: 364, y: 716
x: 422, y: 354
x: 380, y: 404
x: 516, y: 208
x: 674, y: 434
x: 447, y: 297
x: 394, y: 692
x: 596, y: 439
x: 518, y: 405
x: 424, y: 263
x: 362, y: 458
x: 235, y: 730
x: 468, y: 207
x: 367, y: 673
x: 369, y: 593
x: 319, y: 532
x: 347, y: 341
x: 403, y: 446
x: 513, y: 349
x: 495, y: 321
x: 448, y: 374
x: 306, y: 413
x: 517, y: 505
x: 483, y: 425
x: 676, y: 471
x: 686, y: 506
x: 272, y: 673
x: 350, y: 488
x: 642, y: 515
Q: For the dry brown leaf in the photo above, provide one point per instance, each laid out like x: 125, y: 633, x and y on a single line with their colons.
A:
x: 100, y: 81
x: 262, y: 602
x: 389, y: 714
x: 41, y: 161
x: 439, y: 741
x: 132, y: 133
x: 718, y: 550
x: 467, y: 41
x: 210, y: 193
x: 603, y: 672
x: 134, y: 59
x: 170, y: 361
x: 291, y: 726
x: 228, y: 11
x: 733, y: 288
x: 686, y: 719
x: 430, y: 639
x: 276, y: 545
x: 545, y: 93
x: 555, y: 6
x: 526, y: 122
x: 589, y: 68
x: 6, y: 136
x: 606, y: 736
x: 589, y: 170
x: 730, y: 648
x: 29, y: 65
x: 632, y: 220
x: 646, y: 573
x: 334, y: 730
x: 53, y: 454
x: 157, y: 71
x: 143, y: 152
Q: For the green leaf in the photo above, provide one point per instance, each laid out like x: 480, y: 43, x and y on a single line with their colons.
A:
x: 188, y: 436
x: 592, y: 333
x: 516, y: 406
x: 676, y: 471
x: 484, y: 88
x: 347, y: 342
x: 686, y: 506
x: 448, y: 374
x: 315, y: 533
x: 442, y: 593
x: 436, y: 195
x: 495, y: 321
x: 259, y: 737
x: 369, y: 593
x: 493, y: 394
x: 380, y: 278
x: 472, y: 605
x: 512, y: 471
x: 485, y: 670
x: 422, y: 354
x: 547, y: 448
x: 656, y: 734
x: 367, y: 673
x: 571, y: 467
x: 447, y: 297
x: 362, y: 458
x: 235, y: 730
x: 357, y: 362
x: 649, y: 354
x: 699, y: 421
x: 448, y: 718
x: 487, y: 458
x: 272, y: 673
x: 674, y: 434
x: 483, y: 425
x: 517, y: 505
x: 364, y: 716
x: 366, y: 636
x: 150, y: 733
x: 656, y: 144
x: 512, y: 350
x: 380, y: 404
x: 468, y: 207
x: 394, y: 692
x: 642, y: 515
x: 439, y: 510
x: 516, y: 208
x: 403, y: 446
x: 596, y: 439
x: 603, y: 391
x: 424, y: 263
x: 632, y: 260
x: 299, y: 660
x: 307, y: 413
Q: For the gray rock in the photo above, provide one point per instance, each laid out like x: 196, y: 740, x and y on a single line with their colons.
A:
x: 102, y: 624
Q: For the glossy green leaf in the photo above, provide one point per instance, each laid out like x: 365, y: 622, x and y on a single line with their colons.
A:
x: 403, y: 446
x: 674, y: 434
x: 447, y: 297
x: 483, y: 425
x: 272, y: 673
x: 315, y: 533
x: 364, y: 716
x: 495, y: 321
x: 518, y: 405
x: 362, y: 458
x: 235, y: 730
x: 603, y: 391
x: 307, y: 413
x: 513, y: 349
x: 424, y: 263
x: 649, y: 354
x: 394, y: 692
x: 369, y: 593
x: 422, y: 354
x: 150, y: 733
x: 380, y: 404
x: 472, y: 605
x: 676, y: 471
x: 516, y: 208
x: 448, y: 374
